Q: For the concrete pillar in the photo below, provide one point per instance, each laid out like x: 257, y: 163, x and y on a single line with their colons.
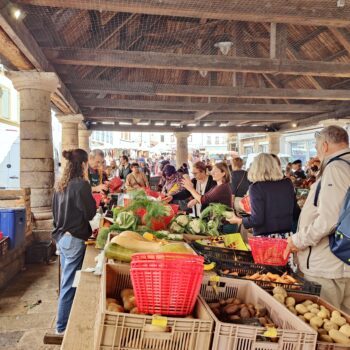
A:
x: 181, y: 148
x: 70, y: 123
x: 84, y: 139
x: 274, y: 139
x: 36, y: 150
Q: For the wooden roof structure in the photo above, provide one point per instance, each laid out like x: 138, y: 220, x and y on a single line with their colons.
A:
x: 153, y: 65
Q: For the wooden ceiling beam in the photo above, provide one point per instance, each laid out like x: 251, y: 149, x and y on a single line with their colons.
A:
x: 151, y: 89
x: 318, y: 13
x: 193, y: 106
x: 25, y: 42
x: 158, y: 60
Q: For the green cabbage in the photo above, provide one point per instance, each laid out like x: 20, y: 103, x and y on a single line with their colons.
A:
x: 196, y: 226
x: 126, y: 221
x: 175, y: 227
x: 182, y: 220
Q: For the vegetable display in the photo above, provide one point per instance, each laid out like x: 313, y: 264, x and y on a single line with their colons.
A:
x: 331, y: 326
x: 216, y: 213
x: 197, y: 226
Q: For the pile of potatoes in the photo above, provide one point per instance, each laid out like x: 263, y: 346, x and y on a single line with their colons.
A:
x: 331, y: 326
x: 234, y: 309
x: 128, y: 303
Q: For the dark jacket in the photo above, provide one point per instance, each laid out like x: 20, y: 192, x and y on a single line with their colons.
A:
x: 73, y: 209
x: 239, y: 183
x: 184, y: 194
x: 273, y: 207
x: 124, y: 172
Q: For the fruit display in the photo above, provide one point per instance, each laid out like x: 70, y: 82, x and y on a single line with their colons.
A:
x: 330, y: 325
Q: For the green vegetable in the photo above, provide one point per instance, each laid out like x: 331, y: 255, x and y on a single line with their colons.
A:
x: 102, y: 237
x: 216, y: 210
x: 197, y: 226
x: 175, y: 227
x: 227, y: 214
x: 182, y: 220
x: 126, y: 220
x: 116, y: 252
x: 213, y: 227
x: 175, y: 236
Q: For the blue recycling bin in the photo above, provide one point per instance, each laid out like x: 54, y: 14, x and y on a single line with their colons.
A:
x: 12, y: 224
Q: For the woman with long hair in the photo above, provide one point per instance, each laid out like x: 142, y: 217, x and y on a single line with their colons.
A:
x: 73, y: 207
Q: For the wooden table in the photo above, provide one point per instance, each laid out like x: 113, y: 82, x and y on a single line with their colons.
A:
x: 79, y: 333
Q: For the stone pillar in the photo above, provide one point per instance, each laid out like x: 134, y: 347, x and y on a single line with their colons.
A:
x: 70, y: 123
x: 181, y: 148
x: 84, y: 139
x: 36, y: 150
x: 274, y: 139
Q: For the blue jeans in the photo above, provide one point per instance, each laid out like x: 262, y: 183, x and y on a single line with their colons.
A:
x: 72, y: 252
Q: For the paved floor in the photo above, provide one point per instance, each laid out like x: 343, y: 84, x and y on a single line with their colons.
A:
x: 28, y: 308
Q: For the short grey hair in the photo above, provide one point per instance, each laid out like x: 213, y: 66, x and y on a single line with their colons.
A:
x: 97, y: 152
x: 334, y: 134
x: 264, y: 168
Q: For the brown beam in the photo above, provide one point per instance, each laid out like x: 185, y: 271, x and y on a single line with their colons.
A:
x: 25, y: 42
x: 278, y: 40
x: 193, y: 106
x: 158, y: 60
x: 151, y: 89
x: 319, y: 12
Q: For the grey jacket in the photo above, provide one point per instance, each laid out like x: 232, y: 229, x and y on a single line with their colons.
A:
x: 315, y: 223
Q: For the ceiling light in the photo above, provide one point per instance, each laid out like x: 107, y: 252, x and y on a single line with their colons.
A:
x: 224, y: 46
x: 254, y: 125
x: 203, y: 73
x: 175, y: 124
x: 294, y: 125
x: 108, y: 123
x: 143, y: 123
x: 17, y: 13
x: 207, y: 124
x: 223, y: 124
x: 340, y: 3
x: 159, y: 123
x: 125, y: 123
x: 192, y: 124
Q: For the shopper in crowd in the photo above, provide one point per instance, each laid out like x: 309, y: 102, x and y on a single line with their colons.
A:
x: 146, y: 170
x: 97, y: 177
x: 320, y: 215
x: 73, y: 207
x: 272, y: 199
x: 239, y: 182
x: 114, y: 169
x: 125, y: 168
x: 298, y: 171
x: 173, y: 181
x: 288, y: 171
x: 202, y: 183
x: 162, y: 179
x: 221, y: 193
x: 136, y: 179
x: 184, y: 169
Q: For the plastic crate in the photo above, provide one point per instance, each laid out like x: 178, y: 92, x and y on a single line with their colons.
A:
x: 123, y: 331
x: 261, y: 245
x: 12, y: 224
x: 322, y: 345
x: 291, y: 332
x: 244, y: 269
x: 40, y: 251
x: 218, y: 254
x: 4, y: 246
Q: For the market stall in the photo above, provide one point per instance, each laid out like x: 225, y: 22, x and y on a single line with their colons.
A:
x: 170, y: 281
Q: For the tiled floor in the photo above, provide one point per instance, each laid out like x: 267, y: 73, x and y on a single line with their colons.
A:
x: 28, y: 308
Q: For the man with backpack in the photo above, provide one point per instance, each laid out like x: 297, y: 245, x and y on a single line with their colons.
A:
x: 322, y: 237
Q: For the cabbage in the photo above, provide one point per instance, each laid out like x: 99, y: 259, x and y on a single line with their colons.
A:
x: 182, y: 220
x: 175, y: 227
x: 126, y: 220
x: 196, y: 226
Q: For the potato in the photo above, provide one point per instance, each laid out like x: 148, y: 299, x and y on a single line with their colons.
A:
x: 279, y: 297
x: 237, y: 301
x: 280, y: 290
x: 322, y: 314
x: 115, y: 307
x: 328, y: 325
x: 301, y: 309
x: 336, y: 313
x: 216, y: 311
x: 214, y: 305
x: 231, y: 309
x: 290, y: 301
x: 126, y: 292
x: 345, y: 329
x: 111, y: 300
x: 307, y: 302
x: 244, y: 313
x: 262, y: 321
x: 322, y: 331
x: 292, y: 310
x: 302, y: 318
x: 326, y: 338
x: 128, y: 305
x: 316, y: 306
x: 309, y: 315
x: 314, y: 311
x: 339, y: 337
x: 260, y: 310
x: 316, y: 322
x: 229, y: 301
x: 234, y: 317
x: 338, y: 320
x: 135, y: 310
x: 326, y: 311
x: 222, y: 302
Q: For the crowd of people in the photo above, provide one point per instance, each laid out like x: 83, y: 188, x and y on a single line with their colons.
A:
x: 269, y: 190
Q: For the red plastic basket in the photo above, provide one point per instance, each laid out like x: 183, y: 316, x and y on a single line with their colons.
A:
x: 166, y: 284
x: 268, y: 251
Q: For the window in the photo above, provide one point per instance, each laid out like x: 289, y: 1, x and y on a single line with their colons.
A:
x: 190, y: 138
x: 172, y: 138
x: 248, y: 150
x: 161, y: 138
x: 5, y: 102
x: 217, y: 140
x: 263, y: 148
x: 208, y: 140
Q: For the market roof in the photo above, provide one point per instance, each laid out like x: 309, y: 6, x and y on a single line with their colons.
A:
x: 176, y: 65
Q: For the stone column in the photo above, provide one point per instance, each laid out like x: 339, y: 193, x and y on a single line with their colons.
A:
x: 70, y: 123
x: 84, y: 139
x: 274, y: 139
x: 36, y: 150
x: 181, y: 148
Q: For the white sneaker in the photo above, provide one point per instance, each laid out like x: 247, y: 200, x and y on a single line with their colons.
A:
x: 59, y: 333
